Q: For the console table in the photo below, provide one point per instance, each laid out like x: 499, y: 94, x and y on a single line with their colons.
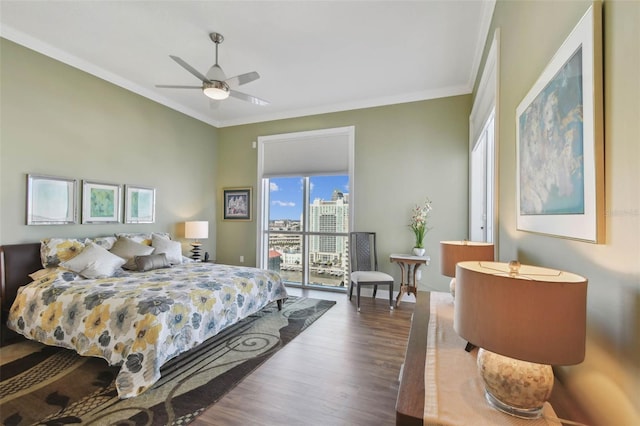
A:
x: 409, y: 265
x: 414, y: 404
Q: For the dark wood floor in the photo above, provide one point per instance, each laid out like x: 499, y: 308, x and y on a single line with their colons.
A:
x: 342, y: 370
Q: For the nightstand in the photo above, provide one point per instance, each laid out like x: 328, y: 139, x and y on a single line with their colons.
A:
x: 409, y: 265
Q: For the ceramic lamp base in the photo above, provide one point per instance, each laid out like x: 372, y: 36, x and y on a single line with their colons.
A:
x: 452, y: 287
x: 195, y: 251
x: 515, y: 387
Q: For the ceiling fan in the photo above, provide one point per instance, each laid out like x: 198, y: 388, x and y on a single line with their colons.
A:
x: 215, y: 84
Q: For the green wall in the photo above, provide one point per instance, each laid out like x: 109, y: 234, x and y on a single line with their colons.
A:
x: 403, y: 153
x: 57, y: 120
x: 530, y: 33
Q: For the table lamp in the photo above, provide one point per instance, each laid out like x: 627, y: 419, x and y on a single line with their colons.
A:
x: 452, y: 252
x: 196, y: 230
x: 524, y: 319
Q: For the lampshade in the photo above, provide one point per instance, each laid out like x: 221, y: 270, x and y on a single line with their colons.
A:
x: 535, y: 314
x: 524, y: 319
x: 452, y: 252
x: 196, y: 230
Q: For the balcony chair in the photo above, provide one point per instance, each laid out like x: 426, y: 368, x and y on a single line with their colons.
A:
x: 363, y: 260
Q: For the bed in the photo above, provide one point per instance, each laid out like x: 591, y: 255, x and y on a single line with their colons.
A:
x: 138, y: 320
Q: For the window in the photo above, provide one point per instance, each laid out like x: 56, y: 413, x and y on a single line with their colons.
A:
x: 305, y: 213
x: 307, y: 241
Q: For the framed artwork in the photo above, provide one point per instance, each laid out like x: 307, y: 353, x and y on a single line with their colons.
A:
x: 559, y: 141
x: 139, y: 204
x: 237, y: 203
x: 100, y: 202
x: 51, y: 200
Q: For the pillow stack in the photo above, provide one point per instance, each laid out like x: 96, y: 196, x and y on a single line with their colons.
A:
x: 102, y: 257
x: 128, y: 249
x: 132, y: 246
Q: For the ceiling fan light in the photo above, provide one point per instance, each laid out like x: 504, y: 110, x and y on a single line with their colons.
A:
x: 217, y: 94
x: 217, y: 90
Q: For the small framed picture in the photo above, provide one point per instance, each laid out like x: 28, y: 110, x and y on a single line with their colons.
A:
x: 51, y: 200
x: 100, y: 202
x: 139, y: 204
x: 237, y: 203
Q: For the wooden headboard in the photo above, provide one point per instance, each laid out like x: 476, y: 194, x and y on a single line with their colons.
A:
x: 17, y: 261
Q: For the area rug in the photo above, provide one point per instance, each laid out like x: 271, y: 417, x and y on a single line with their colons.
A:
x: 55, y: 386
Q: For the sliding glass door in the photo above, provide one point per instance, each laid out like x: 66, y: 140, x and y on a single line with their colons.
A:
x: 306, y: 237
x: 305, y: 200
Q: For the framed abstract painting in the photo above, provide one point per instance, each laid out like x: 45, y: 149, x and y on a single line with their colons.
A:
x: 559, y: 141
x: 100, y: 202
x: 51, y: 200
x: 140, y: 204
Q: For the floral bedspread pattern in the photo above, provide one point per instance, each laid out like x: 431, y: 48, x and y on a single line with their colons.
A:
x: 141, y: 319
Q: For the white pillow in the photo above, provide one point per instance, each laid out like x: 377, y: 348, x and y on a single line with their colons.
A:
x: 94, y: 262
x: 143, y: 237
x: 128, y: 249
x: 173, y: 249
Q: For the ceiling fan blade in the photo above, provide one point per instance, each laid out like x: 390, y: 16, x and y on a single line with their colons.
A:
x: 248, y: 98
x: 189, y: 68
x: 241, y: 79
x: 173, y: 86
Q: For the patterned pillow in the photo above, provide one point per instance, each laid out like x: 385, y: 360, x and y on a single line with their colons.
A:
x: 56, y: 250
x: 94, y: 262
x: 50, y: 274
x: 143, y: 237
x: 104, y: 242
x: 42, y: 273
x: 128, y: 249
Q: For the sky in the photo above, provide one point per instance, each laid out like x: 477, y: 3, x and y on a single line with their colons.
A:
x: 286, y: 194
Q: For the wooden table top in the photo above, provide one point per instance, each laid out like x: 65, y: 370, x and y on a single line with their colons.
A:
x: 410, y: 402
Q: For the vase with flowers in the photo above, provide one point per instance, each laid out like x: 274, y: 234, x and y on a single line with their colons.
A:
x: 419, y: 225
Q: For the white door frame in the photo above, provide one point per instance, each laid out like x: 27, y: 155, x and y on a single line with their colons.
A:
x: 485, y: 111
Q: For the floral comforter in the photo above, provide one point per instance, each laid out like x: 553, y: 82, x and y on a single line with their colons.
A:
x: 141, y: 319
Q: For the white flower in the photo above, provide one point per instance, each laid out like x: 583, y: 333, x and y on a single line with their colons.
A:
x: 418, y: 223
